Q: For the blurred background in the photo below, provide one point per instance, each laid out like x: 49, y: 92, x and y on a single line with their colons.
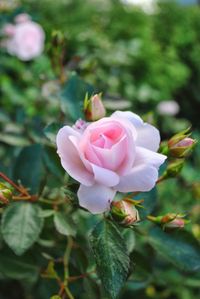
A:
x: 144, y: 56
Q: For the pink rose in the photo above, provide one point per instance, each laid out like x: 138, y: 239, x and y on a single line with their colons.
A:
x: 27, y: 40
x: 116, y: 153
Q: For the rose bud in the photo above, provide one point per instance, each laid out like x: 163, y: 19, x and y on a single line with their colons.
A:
x: 170, y: 220
x: 5, y: 194
x: 124, y: 212
x: 180, y: 145
x: 94, y: 108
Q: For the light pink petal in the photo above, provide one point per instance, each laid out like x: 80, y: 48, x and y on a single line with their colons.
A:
x: 145, y: 156
x: 113, y: 158
x: 148, y: 136
x: 128, y: 115
x: 70, y: 158
x: 75, y: 142
x: 142, y: 178
x: 105, y: 176
x: 96, y: 199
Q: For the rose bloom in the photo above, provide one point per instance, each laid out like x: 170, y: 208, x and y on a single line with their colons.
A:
x: 26, y: 41
x: 116, y: 153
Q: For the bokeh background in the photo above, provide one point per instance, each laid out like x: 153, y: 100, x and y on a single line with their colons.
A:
x: 140, y: 55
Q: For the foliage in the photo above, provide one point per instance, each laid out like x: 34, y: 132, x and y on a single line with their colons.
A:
x: 49, y: 247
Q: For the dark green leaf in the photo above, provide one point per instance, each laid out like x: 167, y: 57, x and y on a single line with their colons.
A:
x: 73, y: 95
x: 179, y: 248
x: 28, y: 167
x: 14, y: 267
x: 111, y: 257
x: 21, y: 226
x: 149, y: 203
x: 52, y: 162
x: 51, y: 130
x: 64, y: 225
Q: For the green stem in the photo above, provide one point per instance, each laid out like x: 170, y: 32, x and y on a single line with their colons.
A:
x: 66, y: 258
x: 69, y: 294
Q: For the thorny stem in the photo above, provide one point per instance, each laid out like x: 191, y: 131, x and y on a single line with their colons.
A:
x: 160, y: 179
x: 73, y: 278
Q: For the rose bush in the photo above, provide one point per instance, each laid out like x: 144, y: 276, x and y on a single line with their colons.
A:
x: 25, y: 39
x: 116, y: 153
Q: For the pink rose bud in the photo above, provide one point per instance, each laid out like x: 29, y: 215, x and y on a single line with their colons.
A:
x: 94, y: 108
x: 22, y: 18
x: 5, y: 194
x: 180, y: 145
x: 170, y: 220
x: 124, y: 212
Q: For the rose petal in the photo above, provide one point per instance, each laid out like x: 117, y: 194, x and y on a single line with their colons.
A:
x: 105, y: 176
x: 96, y: 198
x: 148, y: 136
x: 112, y: 158
x: 145, y: 156
x: 142, y: 178
x: 130, y: 116
x: 70, y: 158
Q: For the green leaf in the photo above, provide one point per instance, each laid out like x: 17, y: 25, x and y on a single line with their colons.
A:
x: 55, y: 297
x: 51, y: 130
x: 28, y: 167
x: 14, y: 140
x: 52, y: 162
x: 72, y: 96
x: 179, y: 248
x: 46, y: 213
x: 21, y: 226
x: 14, y: 267
x: 111, y: 257
x: 63, y: 224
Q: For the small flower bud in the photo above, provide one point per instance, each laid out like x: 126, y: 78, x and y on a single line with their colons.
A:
x: 170, y: 220
x: 80, y: 125
x: 124, y: 212
x: 5, y: 194
x: 94, y: 108
x: 180, y: 145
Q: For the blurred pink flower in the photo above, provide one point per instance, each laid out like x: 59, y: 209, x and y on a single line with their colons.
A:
x: 117, y: 153
x: 9, y: 29
x: 27, y: 39
x: 168, y: 108
x: 21, y: 18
